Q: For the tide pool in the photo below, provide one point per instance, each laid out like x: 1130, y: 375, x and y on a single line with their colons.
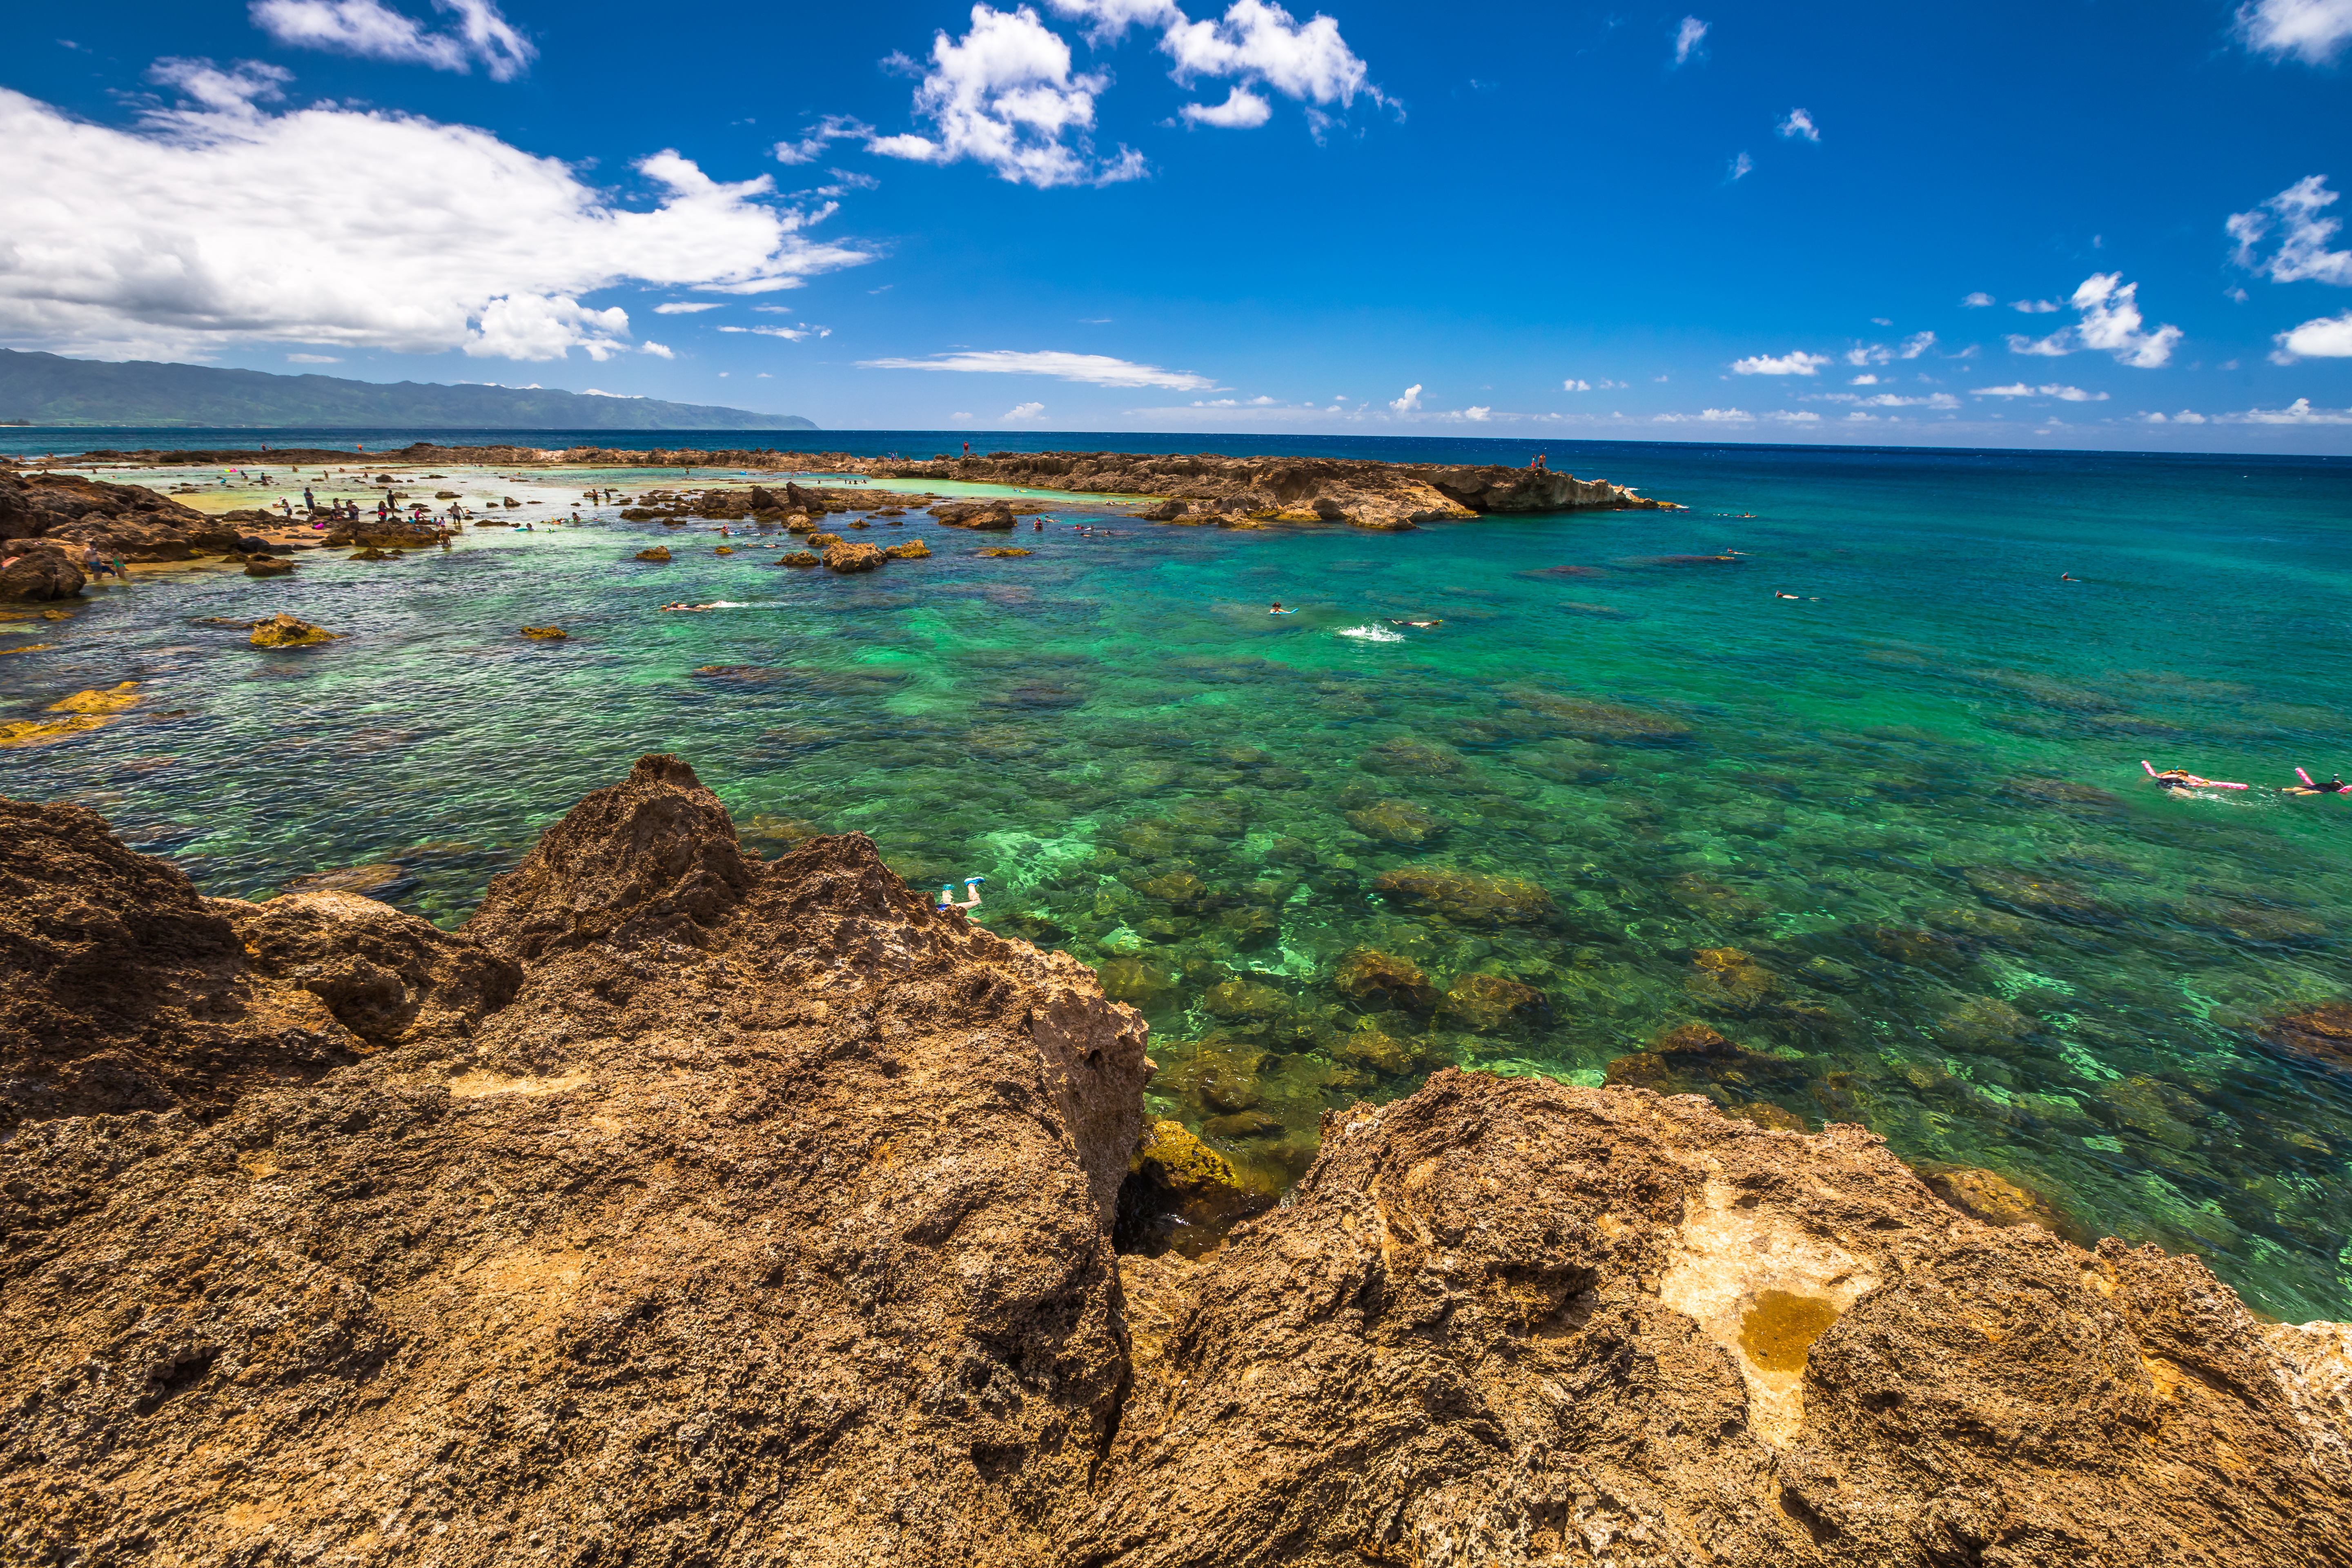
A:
x: 1889, y: 838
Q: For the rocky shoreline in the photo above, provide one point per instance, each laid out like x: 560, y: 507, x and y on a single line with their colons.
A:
x: 1202, y: 488
x: 687, y: 1206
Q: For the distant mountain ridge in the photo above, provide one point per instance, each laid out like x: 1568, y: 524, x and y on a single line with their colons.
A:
x: 50, y: 389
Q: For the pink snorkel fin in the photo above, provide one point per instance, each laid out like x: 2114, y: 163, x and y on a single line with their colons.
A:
x: 2305, y: 778
x: 2151, y: 771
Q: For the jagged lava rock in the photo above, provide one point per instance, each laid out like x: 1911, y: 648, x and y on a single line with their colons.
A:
x: 129, y: 521
x: 768, y: 1221
x: 36, y: 571
x: 853, y: 557
x: 1505, y: 1322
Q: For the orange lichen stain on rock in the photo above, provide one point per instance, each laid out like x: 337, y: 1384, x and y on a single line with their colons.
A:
x: 1780, y: 1327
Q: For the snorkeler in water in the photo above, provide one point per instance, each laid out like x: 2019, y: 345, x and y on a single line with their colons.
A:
x: 2335, y: 785
x: 947, y: 898
x: 2181, y: 779
x: 1397, y: 623
x: 1279, y: 610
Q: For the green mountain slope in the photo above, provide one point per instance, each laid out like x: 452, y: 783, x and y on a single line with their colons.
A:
x: 49, y: 389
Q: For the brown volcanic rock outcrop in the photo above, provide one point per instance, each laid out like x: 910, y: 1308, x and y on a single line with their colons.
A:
x: 768, y: 1222
x: 1290, y: 490
x: 1508, y: 1323
x: 688, y: 1208
x: 129, y: 521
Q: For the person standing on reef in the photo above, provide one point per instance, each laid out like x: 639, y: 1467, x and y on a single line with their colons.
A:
x: 310, y: 501
x: 1538, y: 463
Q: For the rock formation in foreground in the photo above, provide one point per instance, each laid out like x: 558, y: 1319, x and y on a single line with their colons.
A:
x: 46, y: 520
x: 688, y: 1208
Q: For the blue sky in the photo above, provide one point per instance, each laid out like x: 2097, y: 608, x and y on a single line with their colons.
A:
x: 1735, y: 221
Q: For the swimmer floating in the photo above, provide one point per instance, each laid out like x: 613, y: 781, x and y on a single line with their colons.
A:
x: 2182, y: 779
x: 2334, y: 785
x: 947, y: 899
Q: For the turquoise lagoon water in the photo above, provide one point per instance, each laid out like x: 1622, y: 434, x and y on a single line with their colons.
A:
x: 1891, y: 838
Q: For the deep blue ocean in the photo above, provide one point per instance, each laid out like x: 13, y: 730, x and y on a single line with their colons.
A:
x: 1890, y: 837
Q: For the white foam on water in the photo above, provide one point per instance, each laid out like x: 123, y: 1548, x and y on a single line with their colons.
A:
x: 1371, y: 634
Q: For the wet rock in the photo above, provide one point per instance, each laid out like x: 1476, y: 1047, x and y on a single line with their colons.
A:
x: 908, y: 549
x: 1490, y: 1004
x: 1243, y: 1124
x: 1376, y: 1048
x: 545, y: 634
x: 1615, y: 723
x: 1370, y: 976
x: 2064, y: 795
x: 1996, y: 1200
x: 798, y: 558
x: 1138, y: 983
x: 1727, y: 978
x: 282, y: 630
x: 723, y: 549
x: 822, y: 541
x: 1919, y: 946
x: 1244, y: 999
x: 1693, y: 1039
x: 1467, y: 898
x: 1765, y: 1114
x: 1409, y: 758
x: 2323, y: 1033
x: 658, y: 553
x: 847, y: 558
x: 267, y: 566
x: 1181, y: 1197
x: 1221, y: 1074
x: 1002, y: 551
x: 370, y: 554
x: 993, y: 516
x: 1986, y: 1025
x: 1397, y: 822
x: 1179, y: 887
x: 366, y: 878
x: 1711, y: 900
x: 2032, y: 893
x: 2266, y: 924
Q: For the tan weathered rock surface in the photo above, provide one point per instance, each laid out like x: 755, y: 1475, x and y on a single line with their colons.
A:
x: 685, y: 1207
x: 767, y: 1222
x: 1504, y: 1322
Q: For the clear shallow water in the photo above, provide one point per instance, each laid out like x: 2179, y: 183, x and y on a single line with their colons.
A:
x: 1858, y: 795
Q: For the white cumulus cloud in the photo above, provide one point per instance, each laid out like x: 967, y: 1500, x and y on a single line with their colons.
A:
x: 1025, y: 411
x: 2035, y: 307
x: 2301, y: 250
x: 1002, y: 96
x: 2314, y: 31
x: 1258, y: 42
x: 1096, y: 370
x: 1799, y: 124
x: 2111, y: 322
x: 1794, y: 363
x: 1725, y: 415
x: 1690, y: 37
x: 1242, y: 111
x: 1409, y: 403
x: 2299, y: 412
x: 1978, y: 300
x: 2020, y: 389
x: 143, y: 240
x: 1572, y: 384
x: 374, y: 31
x: 2324, y: 337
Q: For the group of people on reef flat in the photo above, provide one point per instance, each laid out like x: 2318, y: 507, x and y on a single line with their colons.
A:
x: 2180, y: 781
